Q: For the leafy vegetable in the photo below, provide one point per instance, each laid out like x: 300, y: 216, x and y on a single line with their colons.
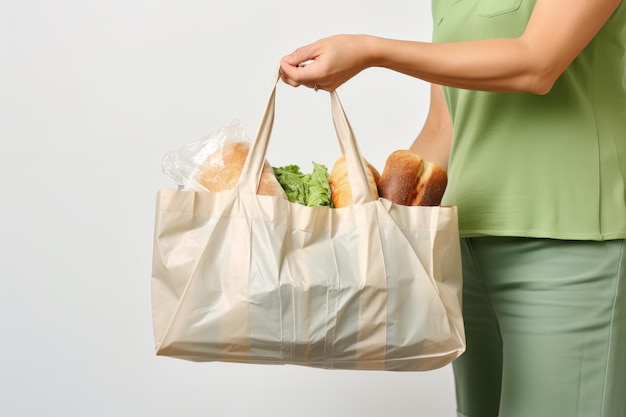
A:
x: 311, y: 190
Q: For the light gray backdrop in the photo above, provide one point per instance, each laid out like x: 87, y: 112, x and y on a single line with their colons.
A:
x: 92, y: 95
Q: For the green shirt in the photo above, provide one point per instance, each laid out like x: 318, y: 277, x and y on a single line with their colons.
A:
x: 549, y: 165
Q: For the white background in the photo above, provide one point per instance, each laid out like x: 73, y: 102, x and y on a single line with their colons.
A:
x: 92, y: 96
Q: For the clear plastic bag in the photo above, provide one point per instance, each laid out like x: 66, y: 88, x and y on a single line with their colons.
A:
x: 183, y: 165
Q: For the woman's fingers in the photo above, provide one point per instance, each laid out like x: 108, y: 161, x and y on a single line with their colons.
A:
x: 326, y: 63
x: 303, y: 73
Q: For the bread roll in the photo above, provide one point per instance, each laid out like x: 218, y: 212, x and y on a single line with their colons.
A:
x: 409, y: 180
x: 341, y: 193
x: 401, y: 174
x: 221, y: 170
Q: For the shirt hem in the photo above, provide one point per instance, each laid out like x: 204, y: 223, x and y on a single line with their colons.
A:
x: 465, y: 233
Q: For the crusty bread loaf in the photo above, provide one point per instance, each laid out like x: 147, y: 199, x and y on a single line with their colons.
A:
x: 341, y: 193
x: 431, y: 186
x: 221, y: 170
x: 409, y: 180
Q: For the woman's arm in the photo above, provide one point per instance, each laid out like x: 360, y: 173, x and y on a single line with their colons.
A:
x: 556, y: 33
x: 435, y: 139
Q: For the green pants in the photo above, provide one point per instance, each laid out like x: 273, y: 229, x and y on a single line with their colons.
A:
x: 546, y: 328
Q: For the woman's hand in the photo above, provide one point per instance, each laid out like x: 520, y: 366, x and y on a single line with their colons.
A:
x: 327, y: 63
x: 556, y: 33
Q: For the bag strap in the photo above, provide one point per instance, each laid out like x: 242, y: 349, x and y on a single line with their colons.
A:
x: 253, y: 167
x: 350, y: 148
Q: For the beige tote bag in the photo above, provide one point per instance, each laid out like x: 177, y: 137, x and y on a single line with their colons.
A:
x: 244, y: 278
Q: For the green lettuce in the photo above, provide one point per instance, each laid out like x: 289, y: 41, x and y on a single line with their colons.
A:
x: 311, y: 190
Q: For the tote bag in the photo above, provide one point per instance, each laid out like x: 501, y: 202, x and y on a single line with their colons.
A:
x: 239, y: 277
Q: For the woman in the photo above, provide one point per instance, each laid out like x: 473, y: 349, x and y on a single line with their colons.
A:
x: 528, y: 102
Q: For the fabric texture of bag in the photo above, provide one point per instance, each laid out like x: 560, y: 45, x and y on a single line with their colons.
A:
x: 238, y: 277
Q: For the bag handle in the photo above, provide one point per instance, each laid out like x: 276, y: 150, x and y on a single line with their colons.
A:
x: 253, y: 167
